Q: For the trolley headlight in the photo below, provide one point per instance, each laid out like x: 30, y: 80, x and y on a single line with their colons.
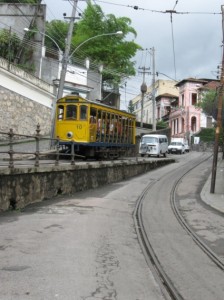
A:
x: 69, y: 135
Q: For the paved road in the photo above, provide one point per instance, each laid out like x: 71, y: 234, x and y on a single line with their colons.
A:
x: 193, y: 273
x: 76, y: 248
x: 82, y: 247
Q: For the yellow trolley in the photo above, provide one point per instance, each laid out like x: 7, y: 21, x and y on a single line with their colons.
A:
x: 93, y: 129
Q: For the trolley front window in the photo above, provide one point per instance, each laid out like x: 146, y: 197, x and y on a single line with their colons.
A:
x: 71, y: 112
x: 83, y: 112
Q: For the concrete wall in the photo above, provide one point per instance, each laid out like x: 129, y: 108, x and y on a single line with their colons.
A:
x: 21, y: 187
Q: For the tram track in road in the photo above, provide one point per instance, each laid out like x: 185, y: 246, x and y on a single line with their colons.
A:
x: 214, y: 257
x: 168, y: 287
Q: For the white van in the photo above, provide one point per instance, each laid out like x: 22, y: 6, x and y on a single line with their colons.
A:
x: 153, y: 144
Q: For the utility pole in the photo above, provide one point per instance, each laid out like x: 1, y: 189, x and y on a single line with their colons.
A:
x: 63, y: 70
x: 219, y: 115
x: 66, y: 53
x: 143, y: 91
x: 153, y: 90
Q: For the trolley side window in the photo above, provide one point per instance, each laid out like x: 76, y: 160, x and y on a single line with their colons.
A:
x: 83, y: 112
x: 93, y: 115
x: 71, y: 112
x: 60, y: 112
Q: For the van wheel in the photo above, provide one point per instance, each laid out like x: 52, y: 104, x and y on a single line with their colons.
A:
x: 142, y: 155
x: 164, y: 154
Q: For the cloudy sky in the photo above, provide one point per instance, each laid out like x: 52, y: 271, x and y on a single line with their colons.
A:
x: 190, y: 46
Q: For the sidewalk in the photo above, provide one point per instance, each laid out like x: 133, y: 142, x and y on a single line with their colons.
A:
x: 215, y: 200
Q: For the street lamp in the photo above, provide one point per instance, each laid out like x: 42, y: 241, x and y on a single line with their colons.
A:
x: 67, y: 58
x: 44, y: 34
x: 93, y: 37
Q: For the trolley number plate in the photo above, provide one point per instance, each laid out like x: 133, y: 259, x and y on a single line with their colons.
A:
x: 79, y: 127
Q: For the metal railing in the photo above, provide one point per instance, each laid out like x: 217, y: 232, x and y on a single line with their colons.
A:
x: 8, y: 147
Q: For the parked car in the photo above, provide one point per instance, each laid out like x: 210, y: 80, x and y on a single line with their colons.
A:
x: 153, y: 144
x: 187, y: 148
x: 176, y: 147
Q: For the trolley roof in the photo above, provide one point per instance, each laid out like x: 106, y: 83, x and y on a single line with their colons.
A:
x: 77, y: 99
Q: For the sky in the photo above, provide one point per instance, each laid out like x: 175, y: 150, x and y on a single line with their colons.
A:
x: 189, y: 46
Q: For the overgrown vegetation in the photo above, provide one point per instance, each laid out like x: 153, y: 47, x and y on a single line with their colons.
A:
x: 10, y: 46
x: 162, y: 124
x: 209, y: 105
x: 206, y: 135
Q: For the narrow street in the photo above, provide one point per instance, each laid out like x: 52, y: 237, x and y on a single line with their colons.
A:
x: 85, y: 246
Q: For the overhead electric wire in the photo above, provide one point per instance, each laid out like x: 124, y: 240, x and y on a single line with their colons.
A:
x: 173, y: 11
x: 175, y: 4
x: 24, y: 18
x: 153, y: 10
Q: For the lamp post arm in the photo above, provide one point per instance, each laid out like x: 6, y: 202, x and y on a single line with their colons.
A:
x: 59, y: 49
x: 44, y: 34
x: 91, y: 38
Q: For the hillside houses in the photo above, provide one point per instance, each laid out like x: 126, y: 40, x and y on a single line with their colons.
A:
x: 176, y: 104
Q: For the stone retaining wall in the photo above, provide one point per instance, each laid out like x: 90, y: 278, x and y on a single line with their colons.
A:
x: 20, y: 187
x: 22, y: 114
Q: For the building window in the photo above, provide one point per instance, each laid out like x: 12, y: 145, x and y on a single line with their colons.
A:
x: 193, y: 124
x: 193, y: 99
x: 182, y: 100
x: 182, y: 125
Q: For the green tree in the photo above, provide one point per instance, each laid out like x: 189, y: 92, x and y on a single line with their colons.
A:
x: 162, y: 124
x: 113, y: 51
x: 208, y: 103
x: 131, y: 107
x: 57, y: 30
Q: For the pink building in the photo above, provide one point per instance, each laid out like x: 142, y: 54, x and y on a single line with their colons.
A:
x: 186, y: 119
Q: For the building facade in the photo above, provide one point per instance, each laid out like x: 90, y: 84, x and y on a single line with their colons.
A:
x: 186, y: 117
x: 176, y: 104
x: 165, y: 92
